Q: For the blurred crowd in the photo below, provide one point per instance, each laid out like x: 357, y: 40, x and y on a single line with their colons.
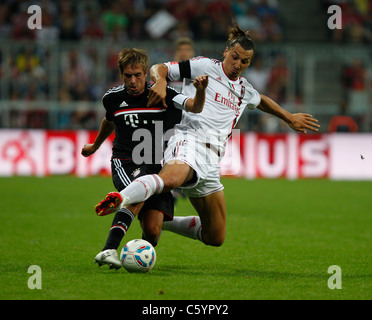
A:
x: 75, y: 76
x: 129, y: 19
x: 81, y: 75
x: 79, y: 85
x: 356, y: 21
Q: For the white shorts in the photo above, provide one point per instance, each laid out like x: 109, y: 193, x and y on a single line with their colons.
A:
x: 199, y: 157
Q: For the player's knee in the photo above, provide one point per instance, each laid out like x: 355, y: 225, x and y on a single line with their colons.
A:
x: 171, y: 182
x: 175, y: 175
x: 153, y: 239
x: 214, y: 240
x: 152, y: 234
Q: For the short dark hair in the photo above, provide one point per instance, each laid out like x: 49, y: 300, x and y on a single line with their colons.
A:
x: 238, y: 35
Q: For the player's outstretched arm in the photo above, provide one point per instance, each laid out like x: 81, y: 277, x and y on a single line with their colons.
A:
x: 196, y: 104
x: 105, y: 131
x: 297, y: 121
x: 158, y: 73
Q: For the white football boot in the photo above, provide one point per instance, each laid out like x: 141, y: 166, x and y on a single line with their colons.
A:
x: 109, y: 257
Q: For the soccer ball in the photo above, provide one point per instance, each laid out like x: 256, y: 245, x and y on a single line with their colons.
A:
x: 138, y: 256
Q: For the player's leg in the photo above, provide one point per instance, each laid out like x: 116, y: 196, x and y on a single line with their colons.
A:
x: 172, y: 175
x: 156, y: 210
x: 209, y: 227
x: 212, y: 213
x: 189, y: 226
x: 120, y: 225
x: 122, y: 219
x: 151, y: 223
x: 208, y: 199
x: 121, y: 177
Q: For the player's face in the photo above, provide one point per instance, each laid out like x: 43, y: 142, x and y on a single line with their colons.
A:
x: 184, y: 52
x: 236, y: 60
x: 134, y: 78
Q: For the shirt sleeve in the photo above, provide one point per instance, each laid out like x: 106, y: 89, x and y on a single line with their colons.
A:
x: 175, y: 98
x: 179, y: 101
x: 188, y: 69
x: 251, y: 96
x: 109, y: 115
x: 254, y: 101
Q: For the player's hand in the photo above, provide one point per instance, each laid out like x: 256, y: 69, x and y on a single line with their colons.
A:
x: 201, y: 82
x: 88, y: 150
x: 157, y: 94
x: 303, y: 122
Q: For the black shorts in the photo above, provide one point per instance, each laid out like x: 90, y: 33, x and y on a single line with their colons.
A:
x: 125, y: 171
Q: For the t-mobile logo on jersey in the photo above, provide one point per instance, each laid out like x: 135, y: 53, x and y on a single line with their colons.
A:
x: 131, y: 119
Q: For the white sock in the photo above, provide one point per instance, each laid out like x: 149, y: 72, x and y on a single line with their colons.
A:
x: 185, y: 226
x: 142, y: 188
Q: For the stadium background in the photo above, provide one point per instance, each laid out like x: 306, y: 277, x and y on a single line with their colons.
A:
x: 51, y: 84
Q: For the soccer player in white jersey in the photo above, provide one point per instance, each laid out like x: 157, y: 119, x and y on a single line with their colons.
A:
x: 193, y: 153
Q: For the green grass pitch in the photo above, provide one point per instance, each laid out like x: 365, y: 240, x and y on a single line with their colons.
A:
x: 282, y: 236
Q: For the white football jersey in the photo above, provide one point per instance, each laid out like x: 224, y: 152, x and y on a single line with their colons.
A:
x: 224, y: 104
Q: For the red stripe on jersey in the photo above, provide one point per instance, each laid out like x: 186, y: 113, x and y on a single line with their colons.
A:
x: 233, y: 126
x: 139, y: 109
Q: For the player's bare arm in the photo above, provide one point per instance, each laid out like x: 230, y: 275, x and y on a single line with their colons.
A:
x: 158, y: 73
x: 196, y: 104
x: 105, y: 131
x: 297, y: 121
